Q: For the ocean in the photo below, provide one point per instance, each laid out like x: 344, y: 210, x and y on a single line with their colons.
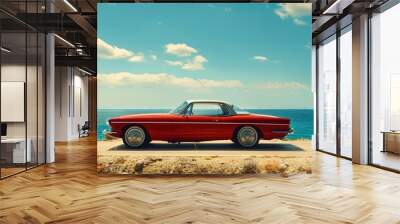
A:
x: 301, y: 119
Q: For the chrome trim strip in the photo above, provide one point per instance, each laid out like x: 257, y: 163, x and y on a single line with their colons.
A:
x: 280, y: 131
x: 177, y: 122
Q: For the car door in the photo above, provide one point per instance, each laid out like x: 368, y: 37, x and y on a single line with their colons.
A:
x: 203, y: 121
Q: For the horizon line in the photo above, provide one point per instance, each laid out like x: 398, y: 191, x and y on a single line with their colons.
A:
x: 174, y: 108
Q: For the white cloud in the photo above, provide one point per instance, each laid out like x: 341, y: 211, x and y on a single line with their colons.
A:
x: 111, y: 52
x: 299, y: 22
x: 107, y: 51
x: 281, y: 13
x: 294, y: 11
x: 136, y: 58
x: 281, y: 85
x: 197, y: 63
x: 163, y: 79
x: 154, y: 57
x: 260, y: 58
x: 180, y: 49
x: 174, y: 63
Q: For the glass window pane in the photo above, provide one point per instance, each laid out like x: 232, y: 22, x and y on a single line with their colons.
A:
x: 23, y: 86
x: 13, y: 85
x: 41, y: 98
x: 327, y: 96
x: 346, y: 94
x: 206, y: 109
x: 31, y: 97
x: 385, y: 89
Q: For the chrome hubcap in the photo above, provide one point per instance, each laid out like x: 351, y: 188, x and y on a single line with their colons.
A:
x: 135, y: 136
x: 247, y: 136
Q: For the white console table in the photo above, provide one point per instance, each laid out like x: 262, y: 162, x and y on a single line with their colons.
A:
x: 19, y: 155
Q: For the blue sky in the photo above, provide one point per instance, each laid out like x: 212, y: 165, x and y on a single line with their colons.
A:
x: 157, y: 55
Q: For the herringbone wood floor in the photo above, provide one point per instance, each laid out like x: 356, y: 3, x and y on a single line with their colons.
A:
x: 70, y: 191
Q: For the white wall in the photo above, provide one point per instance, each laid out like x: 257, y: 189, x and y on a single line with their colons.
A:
x: 80, y: 109
x: 71, y: 94
x: 62, y: 81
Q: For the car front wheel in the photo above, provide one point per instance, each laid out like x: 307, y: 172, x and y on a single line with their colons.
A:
x: 247, y: 137
x: 135, y: 137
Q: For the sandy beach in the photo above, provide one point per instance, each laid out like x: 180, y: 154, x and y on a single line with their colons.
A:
x: 286, y: 157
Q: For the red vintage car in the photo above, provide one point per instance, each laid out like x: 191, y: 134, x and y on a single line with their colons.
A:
x: 199, y: 120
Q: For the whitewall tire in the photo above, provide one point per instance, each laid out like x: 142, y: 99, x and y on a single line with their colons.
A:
x: 135, y: 137
x: 247, y: 137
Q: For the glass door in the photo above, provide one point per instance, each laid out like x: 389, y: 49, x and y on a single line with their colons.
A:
x: 385, y: 89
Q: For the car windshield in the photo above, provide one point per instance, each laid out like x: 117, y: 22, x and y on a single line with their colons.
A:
x: 239, y: 110
x: 180, y: 109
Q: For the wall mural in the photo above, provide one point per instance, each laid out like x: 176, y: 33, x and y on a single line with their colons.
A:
x: 204, y: 88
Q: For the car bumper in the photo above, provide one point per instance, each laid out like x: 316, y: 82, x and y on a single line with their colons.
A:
x: 113, y: 134
x: 290, y: 131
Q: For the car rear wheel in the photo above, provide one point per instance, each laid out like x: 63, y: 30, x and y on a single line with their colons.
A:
x: 135, y: 137
x: 247, y: 137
